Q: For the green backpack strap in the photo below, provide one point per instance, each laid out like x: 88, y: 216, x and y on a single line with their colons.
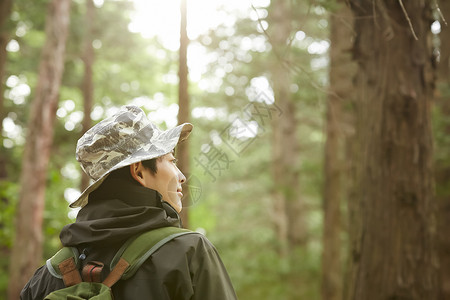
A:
x: 64, y: 265
x: 138, y: 249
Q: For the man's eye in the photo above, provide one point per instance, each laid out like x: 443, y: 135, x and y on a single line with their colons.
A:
x: 175, y: 160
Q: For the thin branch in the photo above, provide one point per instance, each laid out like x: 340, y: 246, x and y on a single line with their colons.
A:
x: 440, y: 14
x: 275, y: 51
x: 295, y: 67
x: 407, y: 18
x: 260, y: 23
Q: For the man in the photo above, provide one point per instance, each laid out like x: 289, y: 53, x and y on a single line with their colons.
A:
x: 137, y: 187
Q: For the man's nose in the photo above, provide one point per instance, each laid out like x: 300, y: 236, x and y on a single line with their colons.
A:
x: 182, y: 177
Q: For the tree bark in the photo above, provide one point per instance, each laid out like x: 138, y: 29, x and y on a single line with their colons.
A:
x: 341, y: 69
x: 183, y: 112
x: 27, y: 247
x: 288, y: 209
x: 442, y: 163
x: 394, y: 255
x: 88, y: 84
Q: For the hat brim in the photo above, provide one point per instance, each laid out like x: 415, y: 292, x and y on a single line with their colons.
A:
x: 181, y: 131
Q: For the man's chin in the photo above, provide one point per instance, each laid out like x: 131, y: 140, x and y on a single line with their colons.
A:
x: 176, y: 203
x: 179, y: 206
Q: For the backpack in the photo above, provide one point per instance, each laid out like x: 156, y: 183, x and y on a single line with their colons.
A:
x: 65, y: 265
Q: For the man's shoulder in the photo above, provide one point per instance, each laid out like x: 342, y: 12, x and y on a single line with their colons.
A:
x: 41, y: 284
x: 191, y: 245
x: 194, y: 239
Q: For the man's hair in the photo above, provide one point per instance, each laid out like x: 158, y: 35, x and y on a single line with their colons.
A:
x: 124, y: 172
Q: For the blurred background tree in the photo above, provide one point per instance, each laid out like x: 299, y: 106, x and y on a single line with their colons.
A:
x: 275, y: 158
x: 26, y: 250
x: 337, y: 156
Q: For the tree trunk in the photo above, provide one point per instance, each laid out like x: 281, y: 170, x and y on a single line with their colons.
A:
x: 442, y: 163
x: 88, y: 85
x: 341, y: 68
x: 288, y: 206
x: 183, y: 112
x: 27, y: 248
x: 394, y: 256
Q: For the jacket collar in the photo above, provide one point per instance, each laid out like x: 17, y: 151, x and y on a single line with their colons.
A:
x: 117, y: 210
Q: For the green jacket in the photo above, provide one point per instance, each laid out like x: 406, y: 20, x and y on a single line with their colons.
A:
x: 188, y: 267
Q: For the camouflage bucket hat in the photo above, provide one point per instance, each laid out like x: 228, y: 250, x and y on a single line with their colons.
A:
x: 125, y: 138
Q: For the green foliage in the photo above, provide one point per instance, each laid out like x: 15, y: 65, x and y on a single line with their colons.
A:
x: 56, y: 210
x: 8, y: 198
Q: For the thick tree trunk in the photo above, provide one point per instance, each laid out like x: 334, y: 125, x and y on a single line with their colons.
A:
x: 442, y: 162
x: 27, y: 248
x: 88, y: 85
x: 393, y: 256
x: 288, y: 207
x: 341, y: 68
x: 183, y: 112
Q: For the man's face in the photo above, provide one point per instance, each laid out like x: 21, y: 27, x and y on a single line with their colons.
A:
x: 167, y: 180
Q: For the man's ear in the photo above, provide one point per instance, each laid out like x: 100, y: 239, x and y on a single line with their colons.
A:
x: 136, y: 172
